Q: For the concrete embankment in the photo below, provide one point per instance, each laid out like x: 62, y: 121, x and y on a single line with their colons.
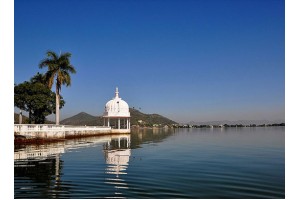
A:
x: 50, y: 132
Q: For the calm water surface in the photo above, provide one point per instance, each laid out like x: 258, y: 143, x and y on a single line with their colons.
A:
x: 180, y: 163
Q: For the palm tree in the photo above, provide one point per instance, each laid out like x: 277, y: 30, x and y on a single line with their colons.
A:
x: 59, y: 68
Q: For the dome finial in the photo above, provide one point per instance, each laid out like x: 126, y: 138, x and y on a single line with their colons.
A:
x: 117, y: 92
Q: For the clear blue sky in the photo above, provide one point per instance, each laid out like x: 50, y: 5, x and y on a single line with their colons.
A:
x: 187, y: 60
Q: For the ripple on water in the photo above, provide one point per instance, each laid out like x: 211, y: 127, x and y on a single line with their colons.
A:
x: 196, y: 164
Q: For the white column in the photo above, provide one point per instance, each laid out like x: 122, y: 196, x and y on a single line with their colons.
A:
x: 20, y: 117
x: 108, y: 122
x: 118, y: 123
x: 127, y: 123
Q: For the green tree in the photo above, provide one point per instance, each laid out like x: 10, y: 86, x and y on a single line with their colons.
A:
x: 35, y: 98
x: 59, y: 69
x: 39, y: 78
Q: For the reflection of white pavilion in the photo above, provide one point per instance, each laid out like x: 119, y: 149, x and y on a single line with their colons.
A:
x: 117, y: 115
x: 117, y: 153
x: 117, y: 161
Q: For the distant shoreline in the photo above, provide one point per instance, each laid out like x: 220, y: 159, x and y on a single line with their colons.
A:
x: 229, y: 125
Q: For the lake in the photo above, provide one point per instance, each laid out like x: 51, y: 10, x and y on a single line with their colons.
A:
x: 244, y: 162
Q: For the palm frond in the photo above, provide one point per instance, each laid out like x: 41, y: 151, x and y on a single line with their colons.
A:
x: 52, y: 55
x: 71, y: 69
x: 66, y: 55
x: 66, y: 78
x: 49, y: 77
x: 59, y: 67
x: 45, y: 63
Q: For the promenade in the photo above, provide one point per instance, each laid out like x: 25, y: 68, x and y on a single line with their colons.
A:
x: 52, y: 131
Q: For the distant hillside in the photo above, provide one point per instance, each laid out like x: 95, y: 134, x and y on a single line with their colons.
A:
x: 25, y: 120
x: 90, y: 120
x: 83, y: 119
x: 148, y: 119
x: 243, y: 122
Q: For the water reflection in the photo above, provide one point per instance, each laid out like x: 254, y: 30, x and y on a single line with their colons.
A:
x: 41, y: 170
x: 146, y: 136
x: 40, y: 166
x: 117, y: 154
x: 42, y: 152
x: 158, y: 163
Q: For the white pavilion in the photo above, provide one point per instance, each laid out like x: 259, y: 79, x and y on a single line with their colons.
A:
x: 116, y: 114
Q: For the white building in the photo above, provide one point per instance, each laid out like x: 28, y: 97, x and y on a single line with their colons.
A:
x: 116, y: 114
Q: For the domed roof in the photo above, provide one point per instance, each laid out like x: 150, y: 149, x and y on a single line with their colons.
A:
x: 116, y: 107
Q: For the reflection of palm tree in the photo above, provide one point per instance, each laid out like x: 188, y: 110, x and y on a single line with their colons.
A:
x: 57, y: 184
x: 41, y: 172
x: 59, y: 68
x: 57, y: 174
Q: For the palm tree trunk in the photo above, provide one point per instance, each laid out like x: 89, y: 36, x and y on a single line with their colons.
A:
x: 57, y: 107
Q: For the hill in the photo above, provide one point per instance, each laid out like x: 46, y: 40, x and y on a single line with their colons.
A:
x: 83, y: 119
x: 243, y: 122
x: 148, y: 119
x: 136, y: 116
x: 25, y: 119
